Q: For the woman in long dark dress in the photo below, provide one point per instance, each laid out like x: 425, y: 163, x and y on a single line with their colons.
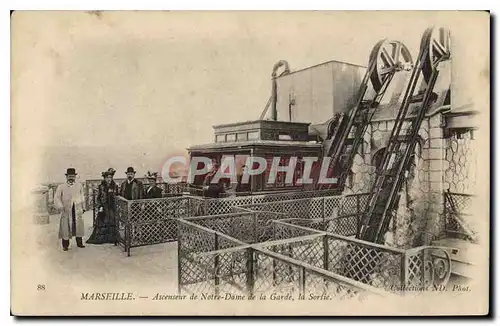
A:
x: 106, y: 229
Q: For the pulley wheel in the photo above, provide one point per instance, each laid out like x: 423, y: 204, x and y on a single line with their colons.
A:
x: 437, y: 42
x: 388, y: 57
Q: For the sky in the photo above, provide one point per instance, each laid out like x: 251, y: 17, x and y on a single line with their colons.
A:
x: 133, y: 88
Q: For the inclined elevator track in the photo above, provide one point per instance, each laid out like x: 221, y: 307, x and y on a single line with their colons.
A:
x: 395, y: 164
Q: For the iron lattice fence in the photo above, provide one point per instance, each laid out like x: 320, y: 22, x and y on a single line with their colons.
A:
x: 365, y: 262
x: 152, y: 221
x: 460, y: 162
x: 296, y: 252
x: 460, y: 170
x: 168, y: 190
x: 247, y: 270
x: 149, y: 221
x: 335, y: 213
x: 457, y: 212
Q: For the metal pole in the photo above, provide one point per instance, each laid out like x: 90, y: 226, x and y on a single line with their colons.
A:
x: 302, y: 280
x: 216, y: 265
x: 326, y: 253
x: 127, y: 229
x: 250, y: 272
x: 404, y: 271
x: 179, y: 260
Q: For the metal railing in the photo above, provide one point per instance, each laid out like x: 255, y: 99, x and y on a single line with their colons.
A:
x: 457, y: 215
x: 345, y: 262
x: 149, y: 221
x: 249, y: 270
x: 152, y: 221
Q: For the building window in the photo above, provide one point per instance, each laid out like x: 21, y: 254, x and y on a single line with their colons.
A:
x: 253, y: 135
x: 220, y: 138
x: 242, y: 136
x: 284, y: 137
x: 231, y: 137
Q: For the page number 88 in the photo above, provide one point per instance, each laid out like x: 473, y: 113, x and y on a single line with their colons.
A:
x: 40, y: 287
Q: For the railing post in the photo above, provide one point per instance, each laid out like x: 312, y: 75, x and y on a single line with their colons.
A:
x: 274, y: 271
x: 255, y: 225
x: 274, y: 231
x: 326, y: 254
x: 86, y: 195
x: 179, y: 258
x: 128, y: 232
x: 250, y: 272
x: 302, y: 281
x: 323, y: 212
x: 404, y: 272
x: 358, y: 215
x: 216, y: 264
x: 94, y: 214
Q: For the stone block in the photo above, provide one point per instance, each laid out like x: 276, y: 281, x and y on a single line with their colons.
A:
x: 436, y: 132
x: 435, y: 176
x: 434, y: 154
x: 435, y: 165
x: 436, y: 143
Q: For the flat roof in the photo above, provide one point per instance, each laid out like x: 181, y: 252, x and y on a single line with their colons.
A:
x: 321, y: 64
x: 241, y: 123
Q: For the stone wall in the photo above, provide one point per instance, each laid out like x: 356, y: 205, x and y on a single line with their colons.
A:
x: 419, y: 217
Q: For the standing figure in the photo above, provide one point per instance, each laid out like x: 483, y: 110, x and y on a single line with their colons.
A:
x: 155, y: 211
x: 106, y: 229
x: 69, y: 199
x: 131, y: 188
x: 153, y: 190
x: 212, y: 189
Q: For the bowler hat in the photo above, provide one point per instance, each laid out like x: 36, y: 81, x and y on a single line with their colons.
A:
x: 130, y: 169
x: 71, y: 171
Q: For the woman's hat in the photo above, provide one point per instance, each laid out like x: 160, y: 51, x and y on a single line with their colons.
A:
x: 110, y: 172
x: 71, y: 171
x: 153, y: 175
x: 130, y: 169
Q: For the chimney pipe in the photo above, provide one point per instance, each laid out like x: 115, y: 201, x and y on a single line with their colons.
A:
x: 274, y: 92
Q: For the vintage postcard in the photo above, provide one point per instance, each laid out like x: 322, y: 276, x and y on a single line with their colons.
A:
x: 250, y: 163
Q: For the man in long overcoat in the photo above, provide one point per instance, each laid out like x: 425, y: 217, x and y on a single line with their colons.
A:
x: 69, y: 199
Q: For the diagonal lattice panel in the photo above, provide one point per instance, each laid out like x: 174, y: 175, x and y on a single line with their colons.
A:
x: 287, y: 230
x: 196, y: 268
x: 415, y: 267
x: 275, y: 276
x: 364, y: 263
x: 232, y: 271
x: 309, y: 251
x: 193, y: 239
x: 346, y: 226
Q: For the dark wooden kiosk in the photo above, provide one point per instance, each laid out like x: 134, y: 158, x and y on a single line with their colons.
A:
x: 261, y: 138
